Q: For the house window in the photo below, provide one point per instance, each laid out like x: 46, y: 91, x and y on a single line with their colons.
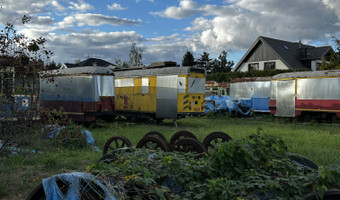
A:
x: 269, y: 65
x: 253, y: 66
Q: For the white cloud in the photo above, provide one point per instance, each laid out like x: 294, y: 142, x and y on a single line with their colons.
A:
x: 104, y: 45
x: 236, y: 26
x: 187, y: 8
x: 80, y: 5
x: 116, y: 6
x: 57, y: 5
x: 94, y: 20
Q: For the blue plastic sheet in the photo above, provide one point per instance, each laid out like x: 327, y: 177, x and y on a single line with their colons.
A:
x: 227, y: 103
x: 260, y: 104
x: 76, y: 182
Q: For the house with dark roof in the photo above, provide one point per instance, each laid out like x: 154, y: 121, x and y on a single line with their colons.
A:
x: 89, y: 62
x: 269, y: 53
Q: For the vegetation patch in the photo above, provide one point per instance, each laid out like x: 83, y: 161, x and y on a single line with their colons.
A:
x: 257, y: 167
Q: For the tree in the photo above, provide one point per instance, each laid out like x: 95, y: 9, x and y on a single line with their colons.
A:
x: 188, y: 59
x: 20, y: 61
x: 222, y: 65
x: 120, y: 64
x: 204, y: 61
x: 333, y: 61
x: 135, y: 55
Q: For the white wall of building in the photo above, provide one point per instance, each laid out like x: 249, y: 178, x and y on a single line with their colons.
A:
x: 278, y: 65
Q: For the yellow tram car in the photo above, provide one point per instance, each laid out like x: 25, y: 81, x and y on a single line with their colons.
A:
x: 160, y: 91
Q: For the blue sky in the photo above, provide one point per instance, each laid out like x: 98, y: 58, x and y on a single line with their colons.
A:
x: 165, y: 29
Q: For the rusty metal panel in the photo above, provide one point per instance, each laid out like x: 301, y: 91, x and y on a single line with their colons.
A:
x: 273, y: 89
x: 241, y: 90
x: 125, y: 82
x: 145, y: 85
x: 261, y: 89
x: 181, y: 84
x: 166, y: 96
x: 318, y: 88
x: 105, y: 85
x: 285, y: 98
x: 69, y: 88
x: 196, y: 85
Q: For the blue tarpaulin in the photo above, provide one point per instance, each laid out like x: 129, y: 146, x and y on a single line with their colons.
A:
x: 215, y: 103
x: 77, y: 183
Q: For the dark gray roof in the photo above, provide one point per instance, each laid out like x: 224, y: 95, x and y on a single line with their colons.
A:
x: 288, y: 52
x: 84, y: 70
x: 90, y: 62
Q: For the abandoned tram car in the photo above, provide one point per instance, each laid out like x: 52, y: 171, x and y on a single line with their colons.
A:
x: 306, y: 94
x: 156, y: 92
x: 82, y: 92
x: 160, y: 92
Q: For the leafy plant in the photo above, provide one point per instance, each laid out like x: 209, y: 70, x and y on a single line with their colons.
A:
x: 253, y: 168
x: 71, y: 136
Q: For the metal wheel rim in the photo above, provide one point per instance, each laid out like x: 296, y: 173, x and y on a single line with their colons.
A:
x: 119, y: 142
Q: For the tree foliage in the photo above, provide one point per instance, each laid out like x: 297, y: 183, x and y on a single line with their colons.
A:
x: 333, y: 62
x: 222, y: 64
x: 188, y: 59
x: 135, y: 55
x: 204, y: 62
x: 21, y: 59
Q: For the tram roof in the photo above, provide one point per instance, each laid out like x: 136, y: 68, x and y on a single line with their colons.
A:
x: 87, y: 70
x: 308, y: 74
x: 175, y: 70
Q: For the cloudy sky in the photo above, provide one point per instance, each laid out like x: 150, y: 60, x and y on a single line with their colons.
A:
x: 165, y: 29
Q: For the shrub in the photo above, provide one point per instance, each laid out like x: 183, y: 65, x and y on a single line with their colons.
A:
x: 257, y: 167
x: 71, y: 136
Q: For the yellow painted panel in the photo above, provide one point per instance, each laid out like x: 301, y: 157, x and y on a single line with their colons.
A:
x: 152, y: 85
x: 137, y: 85
x: 190, y: 103
x: 124, y: 98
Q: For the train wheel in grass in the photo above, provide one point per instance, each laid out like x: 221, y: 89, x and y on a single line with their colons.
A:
x: 156, y: 133
x: 116, y: 142
x: 190, y: 145
x: 180, y: 135
x: 215, y: 138
x: 153, y: 142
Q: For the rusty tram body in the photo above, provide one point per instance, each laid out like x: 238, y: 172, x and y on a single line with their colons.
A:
x: 160, y: 92
x: 157, y: 92
x: 306, y: 94
x: 82, y: 92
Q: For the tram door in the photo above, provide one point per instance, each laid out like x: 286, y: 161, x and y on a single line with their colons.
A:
x: 285, y: 98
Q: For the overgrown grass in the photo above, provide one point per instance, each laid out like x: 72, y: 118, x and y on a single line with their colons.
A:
x: 19, y: 174
x: 319, y: 142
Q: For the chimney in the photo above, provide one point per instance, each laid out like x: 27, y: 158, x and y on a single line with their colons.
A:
x: 300, y: 44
